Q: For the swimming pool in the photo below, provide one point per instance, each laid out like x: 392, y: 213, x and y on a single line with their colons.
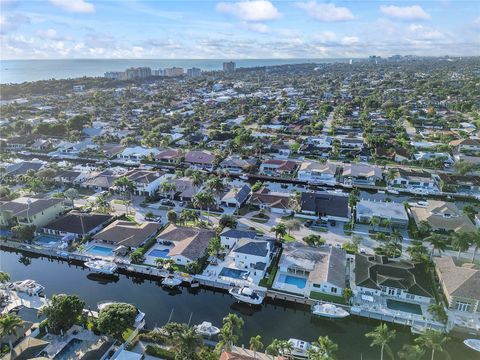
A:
x: 404, y: 306
x: 100, y: 250
x: 47, y: 240
x: 234, y: 273
x: 68, y: 351
x: 163, y: 253
x: 293, y: 280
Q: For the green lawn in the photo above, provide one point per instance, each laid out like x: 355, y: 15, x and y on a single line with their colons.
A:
x: 326, y: 297
x: 289, y: 238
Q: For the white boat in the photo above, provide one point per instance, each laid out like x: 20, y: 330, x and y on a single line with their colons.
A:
x: 300, y: 348
x: 247, y: 295
x: 329, y: 311
x: 138, y: 319
x: 206, y: 329
x: 473, y: 344
x: 194, y: 284
x: 171, y: 281
x: 102, y: 266
x: 30, y: 287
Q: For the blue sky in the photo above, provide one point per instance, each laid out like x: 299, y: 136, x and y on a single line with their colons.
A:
x: 53, y: 29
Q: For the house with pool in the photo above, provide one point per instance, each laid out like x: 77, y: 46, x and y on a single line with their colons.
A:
x: 306, y: 270
x: 253, y: 255
x: 77, y: 224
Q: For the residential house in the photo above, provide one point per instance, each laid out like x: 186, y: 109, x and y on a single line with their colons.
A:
x: 325, y: 205
x: 69, y: 177
x: 77, y: 223
x: 147, y: 182
x: 303, y: 269
x: 441, y: 216
x: 464, y: 184
x: 237, y: 165
x: 184, y: 189
x: 253, y: 255
x: 137, y: 153
x: 350, y: 142
x: 414, y: 180
x: 277, y: 167
x: 200, y: 159
x: 361, y: 174
x: 400, y: 279
x: 170, y: 156
x: 127, y: 233
x: 314, y: 172
x: 30, y: 211
x: 394, y: 212
x: 102, y: 181
x: 460, y: 284
x: 431, y: 156
x: 236, y: 196
x: 229, y: 237
x: 22, y: 168
x: 472, y: 145
x: 189, y: 244
x: 276, y: 202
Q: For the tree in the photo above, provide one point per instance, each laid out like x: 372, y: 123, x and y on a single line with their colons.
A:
x: 4, y: 277
x: 23, y: 232
x: 137, y: 256
x: 411, y: 352
x: 62, y: 312
x: 374, y: 221
x: 102, y: 205
x: 433, y: 340
x: 460, y: 242
x: 230, y: 331
x: 217, y: 187
x: 475, y: 241
x: 185, y: 343
x: 295, y: 201
x: 438, y: 243
x: 347, y: 294
x: 9, y: 323
x: 381, y: 336
x: 292, y: 225
x: 227, y: 221
x: 256, y: 344
x: 127, y: 188
x: 314, y: 240
x: 168, y: 188
x: 438, y: 313
x: 116, y: 318
x: 203, y: 200
x: 274, y: 348
x: 71, y: 194
x: 280, y: 231
x: 172, y: 216
x: 214, y: 246
x: 463, y: 167
x: 323, y: 349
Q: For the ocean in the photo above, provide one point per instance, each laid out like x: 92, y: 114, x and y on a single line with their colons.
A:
x: 18, y: 71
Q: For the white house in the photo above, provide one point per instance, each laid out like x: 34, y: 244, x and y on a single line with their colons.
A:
x: 137, y: 153
x: 147, y: 182
x: 317, y: 173
x: 229, y: 237
x: 252, y: 255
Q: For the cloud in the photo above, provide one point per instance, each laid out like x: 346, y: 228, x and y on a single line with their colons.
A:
x: 256, y: 10
x: 256, y: 27
x: 350, y: 40
x: 12, y: 22
x: 414, y: 12
x: 76, y: 6
x: 325, y: 37
x: 326, y: 12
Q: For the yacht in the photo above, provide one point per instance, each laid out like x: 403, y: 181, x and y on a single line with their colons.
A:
x: 473, y: 344
x: 206, y: 329
x: 30, y: 287
x: 138, y: 318
x: 171, y: 281
x: 300, y: 347
x: 247, y: 295
x: 329, y: 311
x: 102, y: 266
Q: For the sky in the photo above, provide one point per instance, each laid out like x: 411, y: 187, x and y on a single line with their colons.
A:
x: 243, y: 29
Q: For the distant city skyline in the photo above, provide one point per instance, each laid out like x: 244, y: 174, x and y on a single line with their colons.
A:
x: 257, y: 29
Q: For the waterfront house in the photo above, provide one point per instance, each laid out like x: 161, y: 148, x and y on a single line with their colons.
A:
x: 414, y: 179
x: 253, y: 255
x: 147, y: 182
x: 200, y: 159
x: 401, y: 279
x: 29, y: 348
x: 276, y: 202
x: 127, y: 233
x: 303, y: 269
x: 77, y: 223
x: 394, y: 212
x: 137, y: 153
x: 170, y: 156
x: 460, y: 284
x: 229, y: 237
x: 277, y: 167
x: 441, y: 216
x: 236, y: 196
x: 69, y: 177
x: 30, y: 211
x: 361, y: 174
x: 189, y: 244
x: 314, y: 172
x: 324, y: 205
x: 236, y: 165
x: 465, y: 184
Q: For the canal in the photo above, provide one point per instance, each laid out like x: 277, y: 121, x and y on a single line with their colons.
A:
x: 272, y: 320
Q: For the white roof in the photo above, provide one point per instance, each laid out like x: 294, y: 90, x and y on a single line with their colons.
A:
x: 128, y: 355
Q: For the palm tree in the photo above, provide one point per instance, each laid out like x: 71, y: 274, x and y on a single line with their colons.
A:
x: 197, y: 179
x: 256, y: 344
x: 411, y: 352
x: 204, y: 200
x: 230, y: 331
x: 217, y: 187
x: 295, y: 201
x: 432, y: 339
x: 9, y: 324
x: 4, y: 277
x: 285, y: 348
x: 460, y: 242
x: 381, y: 336
x: 169, y: 188
x: 274, y: 348
x: 375, y: 220
x: 280, y: 231
x: 292, y: 225
x: 127, y: 188
x: 438, y: 243
x: 475, y: 240
x: 324, y: 349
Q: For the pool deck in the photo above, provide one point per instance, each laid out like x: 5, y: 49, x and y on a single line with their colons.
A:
x: 150, y: 260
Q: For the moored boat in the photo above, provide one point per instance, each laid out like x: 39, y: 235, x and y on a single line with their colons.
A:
x: 102, y: 266
x: 171, y: 281
x: 206, y: 329
x: 473, y: 344
x: 30, y: 287
x: 329, y: 311
x: 299, y: 347
x: 247, y: 295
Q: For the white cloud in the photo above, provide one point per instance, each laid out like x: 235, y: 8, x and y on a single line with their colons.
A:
x: 325, y: 37
x: 48, y: 33
x: 422, y: 33
x: 414, y: 12
x: 12, y: 22
x: 77, y: 6
x: 256, y: 27
x: 350, y: 40
x: 326, y: 12
x: 256, y: 10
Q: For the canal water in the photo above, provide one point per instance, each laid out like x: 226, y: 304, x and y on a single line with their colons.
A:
x: 272, y: 320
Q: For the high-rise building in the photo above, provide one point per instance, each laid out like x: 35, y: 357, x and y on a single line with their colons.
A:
x: 174, y: 71
x: 194, y: 72
x: 115, y: 75
x: 229, y: 67
x: 138, y: 73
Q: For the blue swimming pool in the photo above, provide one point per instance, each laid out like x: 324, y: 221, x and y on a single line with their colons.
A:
x: 234, y: 273
x: 159, y: 253
x: 100, y: 250
x: 293, y: 280
x: 404, y: 306
x: 47, y: 240
x: 68, y: 351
